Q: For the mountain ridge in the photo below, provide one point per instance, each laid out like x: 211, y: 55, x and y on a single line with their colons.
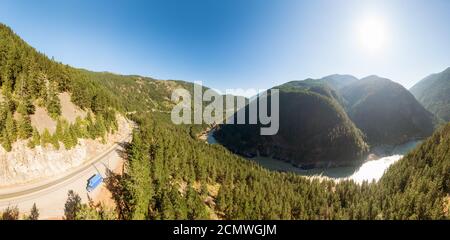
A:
x: 434, y: 93
x: 328, y: 138
x: 383, y: 111
x: 171, y: 175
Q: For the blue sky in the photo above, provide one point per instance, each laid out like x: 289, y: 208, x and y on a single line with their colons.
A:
x: 235, y: 43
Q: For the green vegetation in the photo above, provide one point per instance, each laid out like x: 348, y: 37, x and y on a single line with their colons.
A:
x: 10, y: 213
x: 314, y: 130
x: 34, y: 213
x: 327, y: 122
x: 172, y: 175
x: 169, y: 176
x: 386, y: 112
x: 29, y: 78
x: 434, y: 94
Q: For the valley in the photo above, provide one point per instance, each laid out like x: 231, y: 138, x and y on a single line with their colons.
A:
x: 371, y: 169
x: 164, y: 171
x: 335, y: 121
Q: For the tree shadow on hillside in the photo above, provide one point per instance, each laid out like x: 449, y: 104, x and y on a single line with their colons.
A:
x: 115, y: 184
x: 122, y: 151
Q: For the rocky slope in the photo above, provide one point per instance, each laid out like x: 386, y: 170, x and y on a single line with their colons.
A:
x: 25, y: 165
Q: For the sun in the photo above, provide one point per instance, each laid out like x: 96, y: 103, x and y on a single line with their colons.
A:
x: 372, y: 34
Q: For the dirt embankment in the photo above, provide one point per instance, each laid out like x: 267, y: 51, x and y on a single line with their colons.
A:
x: 70, y: 112
x: 24, y: 165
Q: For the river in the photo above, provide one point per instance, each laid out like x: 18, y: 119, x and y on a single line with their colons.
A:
x: 370, y: 170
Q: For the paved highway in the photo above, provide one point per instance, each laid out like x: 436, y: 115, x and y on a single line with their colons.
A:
x: 51, y: 195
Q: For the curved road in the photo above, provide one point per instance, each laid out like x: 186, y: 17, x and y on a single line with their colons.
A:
x: 75, y: 173
x: 51, y: 195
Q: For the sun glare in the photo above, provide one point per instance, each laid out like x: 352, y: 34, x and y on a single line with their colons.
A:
x: 372, y: 34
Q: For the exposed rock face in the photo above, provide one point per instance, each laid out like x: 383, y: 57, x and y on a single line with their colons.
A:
x: 69, y: 110
x: 23, y: 165
x: 42, y: 120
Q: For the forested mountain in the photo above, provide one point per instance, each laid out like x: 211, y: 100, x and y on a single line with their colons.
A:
x: 169, y: 174
x: 386, y: 112
x: 434, y: 93
x: 314, y: 130
x: 172, y: 176
x: 329, y: 85
x: 29, y: 79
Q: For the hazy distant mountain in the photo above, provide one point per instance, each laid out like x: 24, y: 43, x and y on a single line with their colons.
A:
x: 338, y: 81
x: 386, y: 112
x: 335, y: 81
x: 314, y: 130
x: 434, y: 93
x: 329, y: 85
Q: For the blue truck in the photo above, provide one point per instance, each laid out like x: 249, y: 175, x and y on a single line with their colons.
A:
x: 94, y: 182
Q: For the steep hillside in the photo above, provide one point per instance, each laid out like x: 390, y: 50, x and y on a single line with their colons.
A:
x: 420, y: 181
x: 136, y: 93
x: 386, y: 112
x: 52, y: 117
x: 434, y: 93
x: 170, y: 175
x: 314, y: 130
x: 24, y: 164
x: 163, y: 159
x: 330, y: 85
x: 37, y: 96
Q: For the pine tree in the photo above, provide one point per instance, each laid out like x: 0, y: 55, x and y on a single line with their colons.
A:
x: 139, y: 182
x: 59, y: 132
x: 10, y: 126
x: 167, y: 210
x: 35, y: 139
x: 6, y: 143
x: 55, y: 142
x: 100, y: 128
x: 196, y: 207
x: 46, y: 138
x: 79, y: 129
x: 53, y: 104
x: 87, y: 213
x: 107, y: 213
x: 72, y: 206
x: 34, y: 213
x: 179, y: 205
x: 11, y: 213
x: 24, y: 128
x: 72, y: 134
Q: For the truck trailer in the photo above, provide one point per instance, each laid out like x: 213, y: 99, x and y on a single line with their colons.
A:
x: 94, y: 182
